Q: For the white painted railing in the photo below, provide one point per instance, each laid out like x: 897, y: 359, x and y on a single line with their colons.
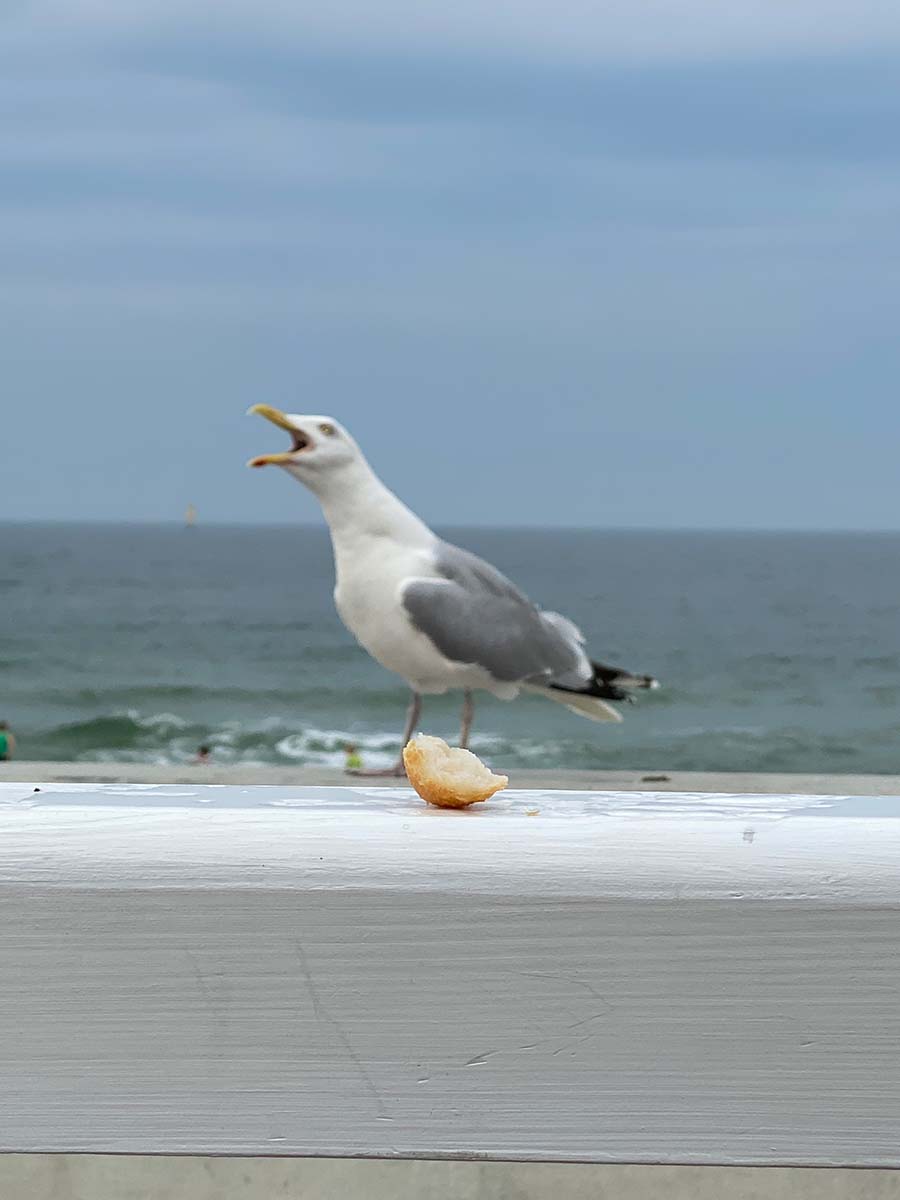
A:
x: 555, y: 976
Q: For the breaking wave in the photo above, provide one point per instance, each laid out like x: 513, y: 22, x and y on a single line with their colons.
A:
x: 167, y: 737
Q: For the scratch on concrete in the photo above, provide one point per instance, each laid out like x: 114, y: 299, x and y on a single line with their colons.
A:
x: 575, y: 980
x: 202, y: 985
x: 481, y: 1058
x: 322, y: 1014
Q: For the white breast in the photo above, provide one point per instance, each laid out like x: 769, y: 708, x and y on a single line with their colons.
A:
x: 379, y: 544
x: 370, y: 575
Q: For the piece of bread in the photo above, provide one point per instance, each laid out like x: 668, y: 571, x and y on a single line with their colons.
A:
x: 448, y: 778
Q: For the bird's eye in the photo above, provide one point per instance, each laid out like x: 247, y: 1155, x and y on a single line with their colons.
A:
x: 328, y: 430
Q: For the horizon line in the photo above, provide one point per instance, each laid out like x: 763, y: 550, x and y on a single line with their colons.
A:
x: 173, y: 522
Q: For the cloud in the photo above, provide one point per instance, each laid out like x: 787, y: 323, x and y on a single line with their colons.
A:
x: 670, y: 227
x: 582, y: 30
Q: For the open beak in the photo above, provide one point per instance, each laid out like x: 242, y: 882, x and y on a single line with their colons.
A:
x: 300, y: 440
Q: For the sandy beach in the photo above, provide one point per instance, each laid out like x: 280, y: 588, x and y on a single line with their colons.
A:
x: 608, y: 781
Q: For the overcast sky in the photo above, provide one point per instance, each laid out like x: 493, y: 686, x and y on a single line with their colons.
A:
x: 569, y: 263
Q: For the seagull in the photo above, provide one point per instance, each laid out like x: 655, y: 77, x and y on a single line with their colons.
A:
x: 436, y: 615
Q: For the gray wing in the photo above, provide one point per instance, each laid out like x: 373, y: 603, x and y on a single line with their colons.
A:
x: 474, y: 614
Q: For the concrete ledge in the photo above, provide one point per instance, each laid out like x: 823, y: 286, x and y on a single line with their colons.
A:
x: 603, y: 977
x: 139, y: 1177
x: 660, y: 780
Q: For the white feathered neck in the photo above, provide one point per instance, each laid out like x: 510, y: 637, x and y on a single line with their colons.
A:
x: 356, y: 504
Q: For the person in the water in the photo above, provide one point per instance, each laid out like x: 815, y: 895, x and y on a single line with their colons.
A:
x: 353, y: 760
x: 7, y: 742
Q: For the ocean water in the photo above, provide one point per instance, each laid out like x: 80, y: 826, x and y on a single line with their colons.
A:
x: 776, y: 652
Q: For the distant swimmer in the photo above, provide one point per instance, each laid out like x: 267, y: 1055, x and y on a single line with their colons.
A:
x: 202, y: 755
x: 353, y: 760
x: 7, y: 742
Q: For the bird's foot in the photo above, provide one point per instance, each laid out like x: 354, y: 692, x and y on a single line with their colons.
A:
x: 397, y: 771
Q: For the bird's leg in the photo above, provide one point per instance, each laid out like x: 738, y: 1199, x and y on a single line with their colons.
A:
x: 397, y: 770
x: 468, y: 712
x: 412, y: 720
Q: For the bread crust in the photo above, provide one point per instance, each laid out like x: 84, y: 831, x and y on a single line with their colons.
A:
x: 442, y: 790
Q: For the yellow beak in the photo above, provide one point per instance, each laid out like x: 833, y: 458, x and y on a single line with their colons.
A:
x: 275, y: 415
x: 277, y: 418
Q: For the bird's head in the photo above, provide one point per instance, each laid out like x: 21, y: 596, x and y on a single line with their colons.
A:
x: 318, y: 444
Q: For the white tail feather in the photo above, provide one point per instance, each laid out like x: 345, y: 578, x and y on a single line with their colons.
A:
x: 591, y: 707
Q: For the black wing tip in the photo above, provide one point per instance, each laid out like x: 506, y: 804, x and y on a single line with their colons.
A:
x: 618, y: 679
x: 611, y: 683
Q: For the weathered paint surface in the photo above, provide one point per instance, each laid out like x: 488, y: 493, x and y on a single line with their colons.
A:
x: 614, y: 977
